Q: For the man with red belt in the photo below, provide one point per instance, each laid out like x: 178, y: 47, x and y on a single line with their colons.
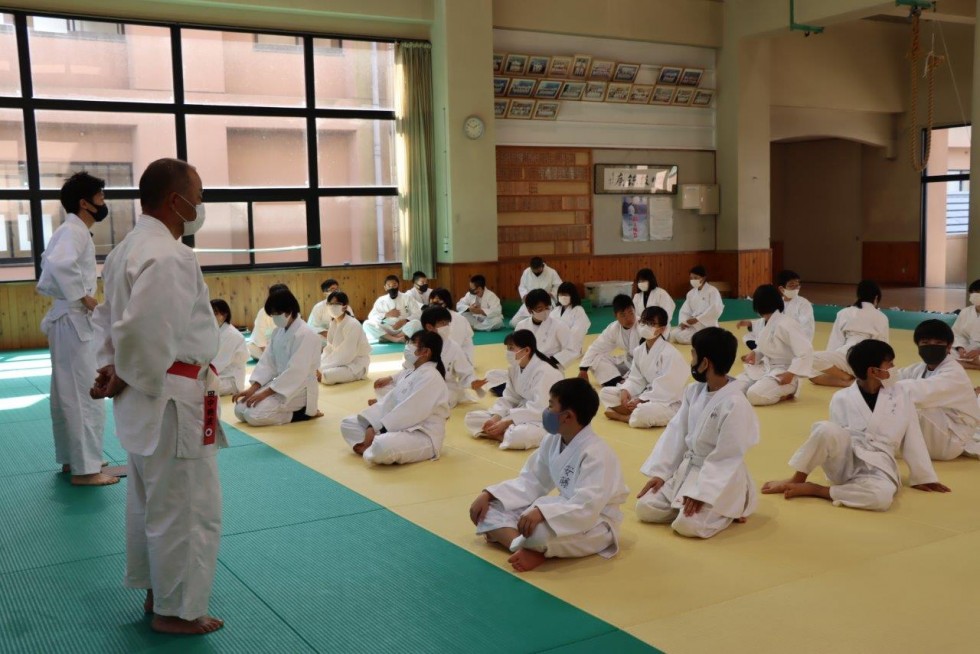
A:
x: 159, y: 338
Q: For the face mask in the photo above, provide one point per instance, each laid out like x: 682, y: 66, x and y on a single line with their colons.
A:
x: 888, y: 381
x: 539, y: 273
x: 512, y: 357
x: 550, y: 421
x: 791, y: 293
x: 423, y: 288
x: 701, y: 377
x: 444, y: 331
x: 191, y: 227
x: 932, y: 355
x: 975, y: 299
x: 643, y: 286
x: 474, y: 293
x: 411, y: 357
x: 564, y: 300
x: 541, y: 316
x: 335, y: 310
x: 695, y: 284
x: 392, y: 293
x: 646, y: 332
x: 101, y: 212
x: 280, y: 320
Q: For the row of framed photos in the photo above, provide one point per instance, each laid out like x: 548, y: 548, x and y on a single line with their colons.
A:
x: 594, y: 91
x: 526, y: 109
x: 583, y: 67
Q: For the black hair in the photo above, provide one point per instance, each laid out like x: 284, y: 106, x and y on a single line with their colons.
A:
x: 78, y: 187
x: 933, y: 329
x: 767, y: 299
x: 645, y: 275
x: 622, y: 303
x: 655, y: 313
x: 523, y: 338
x: 275, y: 288
x: 699, y: 271
x: 571, y: 290
x: 222, y: 307
x: 283, y: 302
x: 869, y: 353
x: 578, y: 396
x: 537, y: 262
x: 974, y: 286
x: 393, y: 278
x: 433, y: 342
x: 479, y: 281
x: 867, y: 291
x: 161, y: 178
x: 535, y: 297
x: 417, y: 275
x: 785, y: 277
x: 432, y: 315
x: 325, y: 286
x: 340, y: 296
x: 443, y: 294
x: 718, y: 346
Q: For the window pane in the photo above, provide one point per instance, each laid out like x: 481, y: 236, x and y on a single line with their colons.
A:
x: 16, y: 262
x: 354, y: 74
x: 101, y: 60
x: 9, y: 66
x: 357, y: 230
x: 280, y: 225
x: 225, y: 228
x: 356, y: 152
x: 248, y: 150
x: 233, y: 68
x: 13, y: 155
x: 106, y: 234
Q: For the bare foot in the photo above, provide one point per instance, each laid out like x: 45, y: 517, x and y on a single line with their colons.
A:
x: 65, y: 469
x: 166, y: 624
x: 773, y: 487
x: 741, y: 521
x: 787, y: 398
x: 493, y: 437
x: 806, y: 489
x: 360, y: 448
x: 97, y: 479
x: 148, y: 602
x: 319, y: 375
x: 615, y: 415
x: 525, y: 560
x: 319, y: 414
x: 372, y: 401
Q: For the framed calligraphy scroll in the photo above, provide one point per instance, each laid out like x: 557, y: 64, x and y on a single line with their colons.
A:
x: 652, y: 179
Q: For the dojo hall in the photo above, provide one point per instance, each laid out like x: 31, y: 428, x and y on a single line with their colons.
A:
x: 479, y: 325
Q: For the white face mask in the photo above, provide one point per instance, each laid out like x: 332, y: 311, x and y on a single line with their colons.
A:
x: 444, y: 331
x: 335, y: 310
x: 191, y: 227
x: 647, y: 332
x: 975, y: 299
x: 696, y: 284
x: 564, y: 300
x: 280, y: 320
x: 541, y: 316
x: 511, y: 357
x: 791, y: 293
x: 643, y: 286
x: 411, y: 357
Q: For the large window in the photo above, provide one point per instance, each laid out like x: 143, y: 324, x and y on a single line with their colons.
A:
x: 293, y: 135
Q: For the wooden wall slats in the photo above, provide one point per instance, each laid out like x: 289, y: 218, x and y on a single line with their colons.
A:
x: 891, y: 262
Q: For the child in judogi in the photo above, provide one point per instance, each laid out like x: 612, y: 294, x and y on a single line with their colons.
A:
x: 394, y: 316
x: 702, y: 307
x: 584, y: 517
x: 481, y: 306
x: 607, y: 367
x: 420, y: 290
x: 853, y: 324
x: 347, y: 353
x: 536, y: 275
x: 699, y: 482
x: 967, y: 330
x: 647, y: 293
x: 869, y: 422
x: 262, y: 327
x: 570, y: 312
x: 460, y: 329
x: 652, y: 392
x: 232, y: 356
x: 320, y: 319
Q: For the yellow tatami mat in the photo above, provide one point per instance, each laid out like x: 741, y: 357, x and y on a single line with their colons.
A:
x: 800, y: 575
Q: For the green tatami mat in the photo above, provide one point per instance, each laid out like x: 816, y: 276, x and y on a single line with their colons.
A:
x: 374, y: 582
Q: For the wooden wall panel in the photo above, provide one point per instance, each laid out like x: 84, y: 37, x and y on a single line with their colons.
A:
x: 891, y: 262
x: 778, y: 257
x: 754, y: 269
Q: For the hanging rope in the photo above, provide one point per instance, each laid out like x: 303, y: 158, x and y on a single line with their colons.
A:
x: 918, y: 150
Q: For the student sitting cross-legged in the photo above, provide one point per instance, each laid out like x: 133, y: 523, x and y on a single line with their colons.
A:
x: 583, y: 519
x: 607, y: 367
x: 652, y: 392
x: 408, y: 423
x: 699, y: 481
x: 347, y: 353
x: 570, y: 312
x: 481, y: 306
x: 702, y: 307
x: 869, y: 422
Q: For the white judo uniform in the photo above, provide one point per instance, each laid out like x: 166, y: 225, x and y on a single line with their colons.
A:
x: 947, y: 406
x: 462, y: 333
x: 378, y: 325
x: 703, y: 303
x: 489, y: 303
x: 347, y: 353
x: 262, y: 330
x: 851, y: 326
x: 320, y: 320
x: 578, y: 324
x: 409, y: 421
x: 780, y: 347
x: 553, y: 338
x: 67, y: 275
x: 418, y: 297
x: 583, y: 518
x: 547, y: 280
x: 801, y: 310
x: 657, y: 376
x: 701, y: 455
x: 525, y: 397
x: 966, y: 329
x: 658, y: 297
x: 611, y: 353
x: 288, y: 367
x: 157, y: 312
x: 460, y: 374
x: 856, y: 448
x: 229, y: 363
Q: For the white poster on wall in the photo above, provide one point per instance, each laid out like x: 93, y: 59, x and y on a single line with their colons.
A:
x: 661, y: 218
x: 636, y: 222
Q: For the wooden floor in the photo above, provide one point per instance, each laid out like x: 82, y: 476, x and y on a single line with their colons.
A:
x: 944, y: 300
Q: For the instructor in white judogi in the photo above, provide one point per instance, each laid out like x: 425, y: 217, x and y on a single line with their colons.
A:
x: 68, y: 277
x: 159, y: 338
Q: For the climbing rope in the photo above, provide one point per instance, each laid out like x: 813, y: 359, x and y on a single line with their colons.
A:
x: 919, y: 151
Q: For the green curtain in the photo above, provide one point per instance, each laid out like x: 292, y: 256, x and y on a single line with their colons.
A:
x: 416, y: 198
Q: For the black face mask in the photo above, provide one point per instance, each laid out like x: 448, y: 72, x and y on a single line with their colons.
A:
x: 933, y: 355
x: 700, y: 377
x: 392, y: 293
x: 101, y: 212
x: 423, y: 288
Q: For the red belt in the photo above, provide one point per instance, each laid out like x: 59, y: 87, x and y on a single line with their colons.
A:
x: 189, y: 370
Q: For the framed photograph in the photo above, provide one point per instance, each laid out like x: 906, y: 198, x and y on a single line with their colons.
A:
x: 572, y: 91
x: 618, y: 92
x: 500, y: 85
x: 548, y: 89
x: 602, y: 70
x: 669, y: 75
x: 560, y: 67
x: 580, y: 66
x: 650, y: 179
x: 538, y: 65
x: 683, y: 96
x: 498, y: 62
x: 691, y: 77
x: 663, y: 95
x: 500, y: 106
x: 515, y: 64
x: 521, y: 109
x: 640, y: 93
x: 546, y: 110
x: 702, y: 98
x: 521, y: 87
x: 594, y: 92
x: 626, y: 72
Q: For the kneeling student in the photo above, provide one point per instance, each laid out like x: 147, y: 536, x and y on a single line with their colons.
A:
x: 943, y: 394
x: 584, y: 518
x: 609, y: 368
x: 229, y: 364
x: 408, y: 423
x: 698, y: 478
x: 347, y: 353
x: 284, y: 387
x: 652, y: 392
x: 869, y: 421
